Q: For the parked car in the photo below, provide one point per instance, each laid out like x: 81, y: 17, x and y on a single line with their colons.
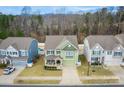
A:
x: 8, y: 70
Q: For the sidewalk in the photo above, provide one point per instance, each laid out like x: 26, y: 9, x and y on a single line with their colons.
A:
x: 99, y: 77
x: 38, y: 78
x: 70, y: 76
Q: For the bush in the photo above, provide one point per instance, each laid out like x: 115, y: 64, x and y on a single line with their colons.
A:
x: 50, y: 68
x: 96, y: 63
x: 3, y: 65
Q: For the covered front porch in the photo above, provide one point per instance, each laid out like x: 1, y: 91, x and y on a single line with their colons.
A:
x: 53, y: 62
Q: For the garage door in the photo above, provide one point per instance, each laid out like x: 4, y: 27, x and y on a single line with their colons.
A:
x: 69, y: 63
x: 19, y: 63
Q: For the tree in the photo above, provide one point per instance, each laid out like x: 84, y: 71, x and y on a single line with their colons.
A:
x: 19, y: 34
x: 120, y: 13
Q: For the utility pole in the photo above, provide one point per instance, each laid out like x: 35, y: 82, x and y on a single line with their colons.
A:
x: 88, y: 71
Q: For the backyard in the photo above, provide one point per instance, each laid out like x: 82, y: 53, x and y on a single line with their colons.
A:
x: 91, y: 71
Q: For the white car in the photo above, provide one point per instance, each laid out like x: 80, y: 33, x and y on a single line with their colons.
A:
x: 8, y: 70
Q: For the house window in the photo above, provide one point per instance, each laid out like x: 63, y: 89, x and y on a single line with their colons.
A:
x: 95, y: 59
x: 118, y: 54
x: 10, y: 53
x: 58, y: 52
x: 14, y: 53
x: 96, y: 52
x: 7, y: 53
x: 3, y: 53
x: 109, y: 53
x: 50, y: 62
x: 69, y: 53
x: 50, y: 52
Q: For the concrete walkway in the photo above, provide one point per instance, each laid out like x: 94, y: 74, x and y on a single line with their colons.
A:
x: 99, y: 77
x: 39, y: 78
x: 70, y: 76
x: 118, y: 71
x: 8, y: 79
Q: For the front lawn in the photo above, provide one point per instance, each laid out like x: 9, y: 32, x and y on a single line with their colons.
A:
x: 100, y: 81
x: 1, y: 71
x: 96, y: 71
x: 93, y: 70
x: 38, y: 70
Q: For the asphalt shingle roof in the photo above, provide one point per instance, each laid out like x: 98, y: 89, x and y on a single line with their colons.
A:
x: 107, y: 42
x: 16, y: 42
x: 52, y: 41
x: 120, y: 37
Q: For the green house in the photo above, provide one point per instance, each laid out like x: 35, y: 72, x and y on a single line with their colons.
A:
x: 61, y: 51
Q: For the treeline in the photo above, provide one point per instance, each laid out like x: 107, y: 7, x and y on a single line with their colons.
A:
x: 104, y: 21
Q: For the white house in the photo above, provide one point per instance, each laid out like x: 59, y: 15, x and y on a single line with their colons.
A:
x: 20, y: 49
x: 105, y: 49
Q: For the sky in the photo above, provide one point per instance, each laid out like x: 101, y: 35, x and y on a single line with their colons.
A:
x: 16, y: 10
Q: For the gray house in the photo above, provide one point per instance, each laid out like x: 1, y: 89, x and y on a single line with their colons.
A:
x: 20, y: 49
x: 106, y: 49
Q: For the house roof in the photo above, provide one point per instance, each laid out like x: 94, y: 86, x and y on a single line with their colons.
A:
x: 53, y: 41
x: 107, y: 42
x: 16, y: 42
x: 120, y: 37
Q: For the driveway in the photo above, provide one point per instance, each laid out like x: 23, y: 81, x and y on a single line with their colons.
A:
x: 8, y: 79
x: 70, y: 76
x: 118, y: 71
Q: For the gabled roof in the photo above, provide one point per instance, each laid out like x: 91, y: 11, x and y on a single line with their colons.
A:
x: 53, y: 41
x: 120, y: 37
x: 107, y: 42
x: 16, y: 42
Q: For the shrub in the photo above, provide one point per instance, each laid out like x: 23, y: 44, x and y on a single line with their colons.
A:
x: 96, y: 63
x: 50, y: 68
x: 3, y: 65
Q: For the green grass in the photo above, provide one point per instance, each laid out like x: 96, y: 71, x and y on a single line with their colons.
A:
x: 1, y: 71
x: 36, y: 81
x: 93, y: 70
x: 38, y: 70
x: 99, y: 81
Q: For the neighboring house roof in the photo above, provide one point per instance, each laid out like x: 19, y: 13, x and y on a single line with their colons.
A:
x: 107, y: 42
x: 16, y: 42
x: 53, y: 41
x: 120, y: 37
